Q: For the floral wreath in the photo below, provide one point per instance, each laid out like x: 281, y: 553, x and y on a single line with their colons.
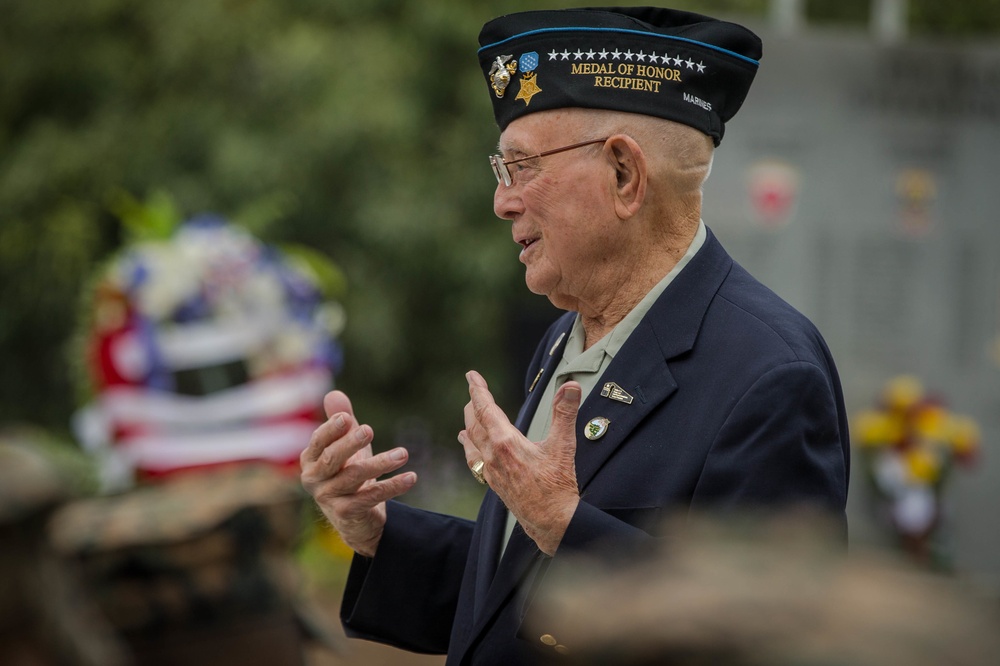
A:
x: 205, y: 346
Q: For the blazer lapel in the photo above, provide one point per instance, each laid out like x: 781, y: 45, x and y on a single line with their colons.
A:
x: 647, y: 380
x: 516, y: 562
x: 490, y: 571
x: 494, y: 516
x: 641, y: 366
x: 546, y: 369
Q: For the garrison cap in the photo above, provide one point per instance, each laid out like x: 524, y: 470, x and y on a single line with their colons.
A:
x: 671, y: 64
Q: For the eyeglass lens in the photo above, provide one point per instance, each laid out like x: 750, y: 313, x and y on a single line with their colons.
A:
x: 500, y: 170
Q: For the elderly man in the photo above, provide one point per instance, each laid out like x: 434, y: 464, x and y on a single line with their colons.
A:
x: 674, y: 382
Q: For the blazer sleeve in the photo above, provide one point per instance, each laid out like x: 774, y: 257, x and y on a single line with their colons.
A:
x: 783, y: 443
x: 407, y: 594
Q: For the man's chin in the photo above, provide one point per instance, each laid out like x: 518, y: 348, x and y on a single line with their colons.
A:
x: 534, y: 285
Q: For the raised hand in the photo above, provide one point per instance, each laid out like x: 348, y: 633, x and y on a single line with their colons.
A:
x: 340, y: 472
x: 536, y: 481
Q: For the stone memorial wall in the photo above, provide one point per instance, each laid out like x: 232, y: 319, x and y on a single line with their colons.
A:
x: 862, y: 183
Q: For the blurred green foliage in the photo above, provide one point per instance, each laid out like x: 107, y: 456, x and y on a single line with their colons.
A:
x: 347, y: 127
x: 358, y: 129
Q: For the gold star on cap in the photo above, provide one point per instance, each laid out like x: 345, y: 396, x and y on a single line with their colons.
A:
x: 528, y: 88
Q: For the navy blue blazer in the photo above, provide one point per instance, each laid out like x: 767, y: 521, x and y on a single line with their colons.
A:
x: 737, y: 404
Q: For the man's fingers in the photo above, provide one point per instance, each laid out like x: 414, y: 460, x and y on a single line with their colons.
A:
x: 474, y: 430
x: 565, y: 405
x: 354, y: 474
x: 344, y: 448
x: 337, y: 401
x: 385, y: 490
x: 328, y: 432
x: 561, y: 439
x: 484, y: 409
x: 472, y: 454
x: 358, y: 506
x: 474, y: 377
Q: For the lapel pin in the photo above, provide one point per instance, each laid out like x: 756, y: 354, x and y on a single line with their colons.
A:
x: 596, y: 428
x: 537, y: 377
x: 552, y: 352
x: 613, y: 391
x: 500, y: 73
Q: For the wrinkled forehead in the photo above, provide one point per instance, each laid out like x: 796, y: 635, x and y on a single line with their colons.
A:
x: 547, y: 129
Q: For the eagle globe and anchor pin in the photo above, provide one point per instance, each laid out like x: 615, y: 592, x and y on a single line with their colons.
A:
x: 505, y: 66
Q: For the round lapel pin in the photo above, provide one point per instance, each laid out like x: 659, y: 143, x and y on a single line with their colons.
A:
x: 596, y: 428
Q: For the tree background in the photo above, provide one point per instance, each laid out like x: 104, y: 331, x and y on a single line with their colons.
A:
x: 357, y: 128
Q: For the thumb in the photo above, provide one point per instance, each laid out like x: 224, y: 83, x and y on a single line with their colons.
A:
x: 565, y: 406
x: 337, y: 401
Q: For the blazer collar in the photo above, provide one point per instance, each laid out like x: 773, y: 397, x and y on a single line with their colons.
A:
x: 641, y: 367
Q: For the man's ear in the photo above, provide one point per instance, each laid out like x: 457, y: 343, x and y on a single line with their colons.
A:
x: 631, y: 173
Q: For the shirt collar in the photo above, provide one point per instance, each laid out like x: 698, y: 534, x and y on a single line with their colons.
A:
x: 575, y: 359
x: 620, y: 333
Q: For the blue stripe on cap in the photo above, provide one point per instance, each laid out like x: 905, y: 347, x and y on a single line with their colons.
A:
x: 755, y: 63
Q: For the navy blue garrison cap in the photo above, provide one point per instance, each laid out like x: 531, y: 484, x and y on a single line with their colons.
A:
x: 677, y: 65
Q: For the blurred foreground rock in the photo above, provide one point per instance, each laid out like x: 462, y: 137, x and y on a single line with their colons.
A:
x: 198, y: 569
x: 46, y: 617
x: 753, y: 592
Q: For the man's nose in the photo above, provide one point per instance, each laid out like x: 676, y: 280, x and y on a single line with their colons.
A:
x: 507, y: 202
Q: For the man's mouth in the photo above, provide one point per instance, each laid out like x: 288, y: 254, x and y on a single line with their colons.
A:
x: 526, y: 242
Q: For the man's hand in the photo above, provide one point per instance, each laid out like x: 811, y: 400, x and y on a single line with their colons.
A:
x: 537, y: 482
x: 340, y: 472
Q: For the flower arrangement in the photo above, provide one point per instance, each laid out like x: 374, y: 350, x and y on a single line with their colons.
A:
x: 909, y: 444
x: 206, y: 346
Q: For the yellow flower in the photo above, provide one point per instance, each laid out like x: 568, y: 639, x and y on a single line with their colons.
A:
x: 923, y: 466
x: 932, y: 422
x: 902, y: 392
x: 333, y: 544
x: 964, y: 436
x: 878, y: 429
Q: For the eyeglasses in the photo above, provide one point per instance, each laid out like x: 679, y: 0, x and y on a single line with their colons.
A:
x: 500, y: 165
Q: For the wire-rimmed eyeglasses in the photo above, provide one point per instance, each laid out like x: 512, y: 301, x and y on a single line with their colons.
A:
x: 500, y: 165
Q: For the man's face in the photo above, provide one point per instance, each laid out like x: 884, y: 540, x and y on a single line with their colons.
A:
x: 560, y: 207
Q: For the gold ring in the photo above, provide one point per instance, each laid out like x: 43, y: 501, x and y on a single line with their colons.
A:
x: 477, y: 471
